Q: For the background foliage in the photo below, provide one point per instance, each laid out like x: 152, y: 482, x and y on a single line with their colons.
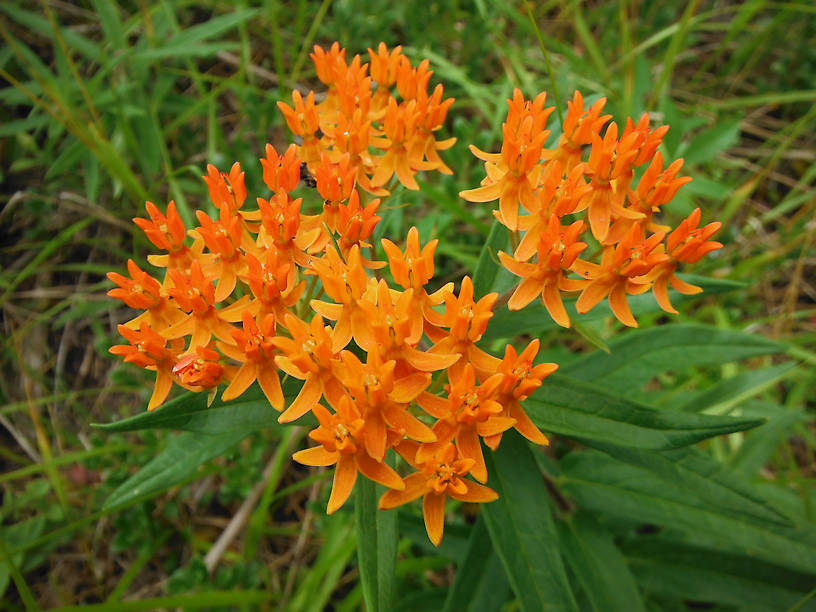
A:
x: 105, y: 105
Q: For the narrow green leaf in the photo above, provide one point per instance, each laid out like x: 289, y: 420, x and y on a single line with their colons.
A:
x: 595, y: 414
x: 599, y: 566
x: 602, y: 485
x: 693, y: 573
x: 534, y: 318
x: 760, y: 444
x: 711, y: 142
x: 376, y: 546
x: 638, y: 356
x: 190, y: 412
x: 180, y: 459
x: 488, y: 268
x: 522, y: 529
x: 480, y: 583
x: 728, y: 393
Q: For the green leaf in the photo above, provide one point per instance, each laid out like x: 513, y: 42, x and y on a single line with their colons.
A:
x: 522, y: 529
x: 638, y: 356
x: 376, y: 546
x: 710, y: 143
x: 178, y: 461
x: 190, y: 412
x: 693, y: 573
x: 603, y: 485
x: 535, y: 318
x: 480, y: 583
x: 594, y: 414
x: 488, y: 268
x: 196, y: 601
x: 728, y: 393
x: 598, y: 564
x: 761, y: 443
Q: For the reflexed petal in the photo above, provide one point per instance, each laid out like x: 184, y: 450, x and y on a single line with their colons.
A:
x: 270, y: 385
x: 591, y: 295
x: 468, y: 444
x: 345, y: 474
x: 406, y: 389
x: 164, y: 382
x: 476, y: 493
x: 488, y: 193
x: 555, y: 306
x: 317, y: 455
x: 378, y: 472
x: 415, y: 486
x: 244, y: 377
x: 528, y: 290
x: 527, y: 428
x: 620, y: 306
x: 433, y: 507
x: 309, y: 396
x: 661, y: 293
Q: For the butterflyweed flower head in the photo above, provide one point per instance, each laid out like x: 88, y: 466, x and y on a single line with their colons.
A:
x: 294, y: 287
x: 590, y: 177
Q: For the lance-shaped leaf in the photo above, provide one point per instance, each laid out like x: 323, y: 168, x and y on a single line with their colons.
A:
x: 601, y: 484
x: 636, y: 357
x: 190, y: 412
x: 577, y: 409
x: 521, y: 526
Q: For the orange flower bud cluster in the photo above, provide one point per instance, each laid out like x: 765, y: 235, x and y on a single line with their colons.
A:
x: 585, y: 188
x: 232, y: 306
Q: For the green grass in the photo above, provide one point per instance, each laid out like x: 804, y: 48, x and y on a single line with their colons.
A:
x: 106, y: 105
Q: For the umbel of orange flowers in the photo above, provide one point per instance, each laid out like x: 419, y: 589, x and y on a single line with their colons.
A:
x: 296, y: 272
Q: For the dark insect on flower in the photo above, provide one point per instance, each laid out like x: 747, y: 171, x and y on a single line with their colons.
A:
x: 307, y: 177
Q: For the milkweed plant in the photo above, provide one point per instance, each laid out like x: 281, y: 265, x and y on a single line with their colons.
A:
x: 386, y: 359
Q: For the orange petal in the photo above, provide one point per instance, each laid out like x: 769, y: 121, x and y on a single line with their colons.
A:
x: 468, y: 444
x: 345, y: 475
x: 317, y: 455
x: 620, y: 306
x: 244, y: 377
x: 309, y: 395
x: 528, y: 290
x: 552, y: 301
x: 270, y: 385
x: 415, y: 486
x: 164, y: 382
x: 488, y: 193
x: 433, y: 507
x: 428, y: 362
x: 378, y: 472
x: 527, y: 428
x: 476, y: 493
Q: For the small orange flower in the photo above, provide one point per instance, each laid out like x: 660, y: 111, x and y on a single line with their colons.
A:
x: 342, y: 436
x: 468, y: 411
x: 439, y: 477
x: 200, y: 369
x: 256, y: 353
x: 558, y: 248
x: 147, y: 350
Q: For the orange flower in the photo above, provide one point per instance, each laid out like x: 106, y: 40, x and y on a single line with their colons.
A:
x: 412, y: 270
x: 520, y: 379
x: 578, y: 129
x: 393, y: 331
x: 309, y: 356
x: 439, y: 477
x: 272, y: 284
x: 200, y: 369
x: 624, y: 268
x: 466, y: 321
x: 384, y: 400
x: 195, y: 294
x: 558, y: 248
x: 147, y: 350
x: 468, y: 411
x: 144, y: 292
x: 256, y: 353
x: 512, y: 175
x: 167, y: 232
x: 346, y: 284
x: 226, y: 190
x: 689, y: 244
x: 341, y: 436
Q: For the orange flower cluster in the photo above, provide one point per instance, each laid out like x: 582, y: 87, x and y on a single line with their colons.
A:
x: 566, y: 196
x: 371, y: 377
